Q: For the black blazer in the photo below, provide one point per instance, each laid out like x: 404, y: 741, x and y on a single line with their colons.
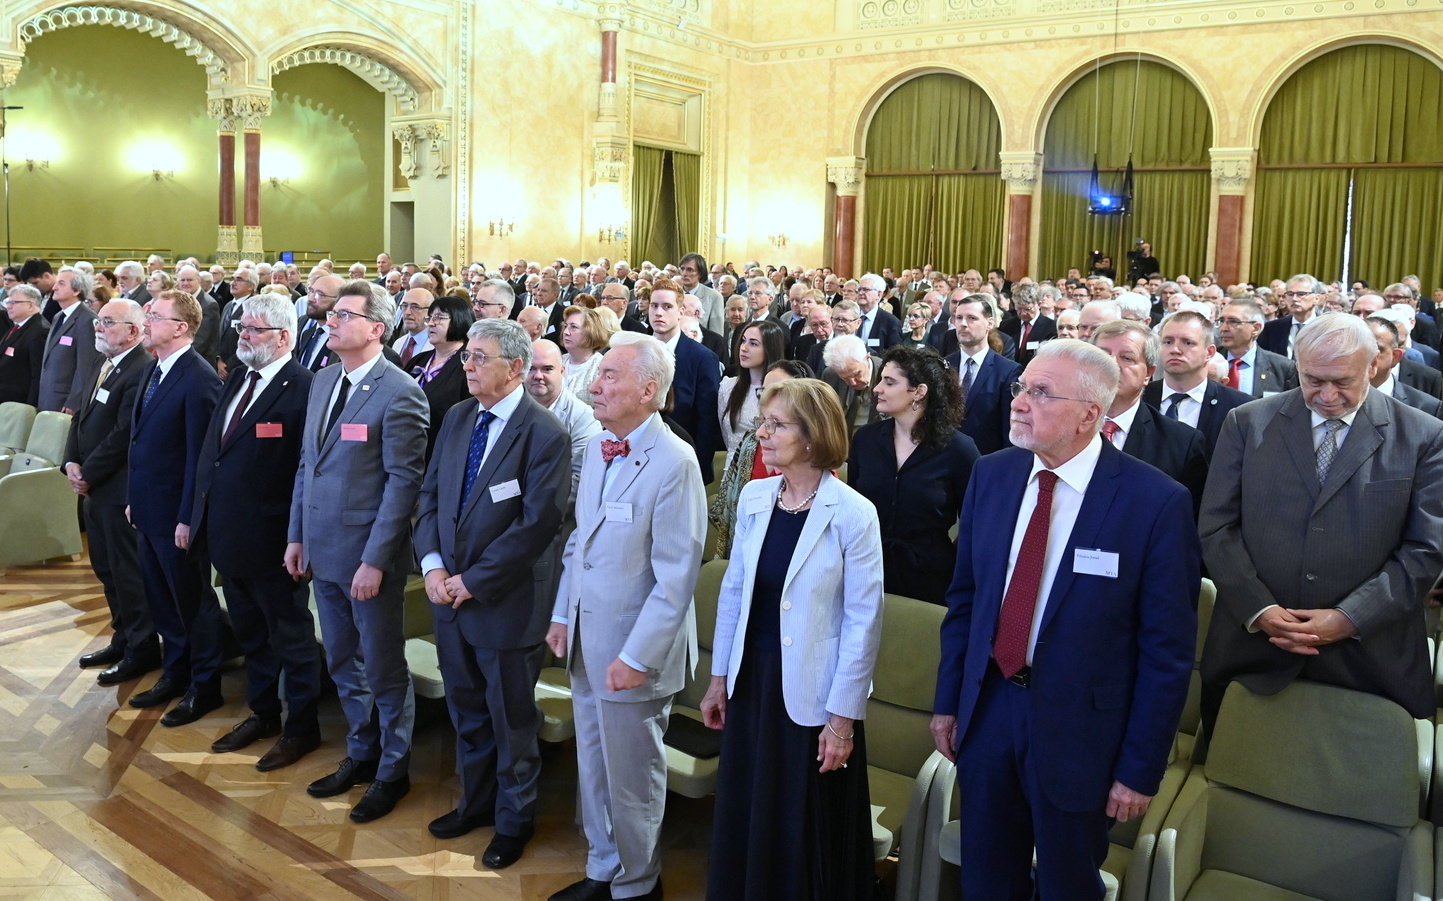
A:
x: 20, y: 358
x: 630, y: 323
x: 1274, y: 336
x: 1416, y: 375
x: 1174, y: 447
x: 1217, y: 401
x: 165, y: 439
x: 243, y: 487
x: 99, y: 438
x: 886, y: 329
x: 986, y: 417
x: 443, y: 392
x: 916, y: 505
x: 1417, y: 399
x: 1043, y: 329
x: 717, y: 345
x: 944, y: 340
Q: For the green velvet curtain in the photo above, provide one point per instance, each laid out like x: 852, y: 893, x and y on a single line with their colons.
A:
x: 1363, y: 106
x: 686, y: 169
x: 646, y: 169
x: 1172, y: 130
x: 934, y: 193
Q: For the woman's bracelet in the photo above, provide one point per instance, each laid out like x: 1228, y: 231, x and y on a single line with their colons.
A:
x: 838, y: 734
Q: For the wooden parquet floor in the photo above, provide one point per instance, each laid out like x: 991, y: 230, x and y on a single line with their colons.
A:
x: 99, y: 801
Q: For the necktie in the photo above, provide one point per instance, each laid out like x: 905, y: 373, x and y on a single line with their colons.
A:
x: 106, y: 369
x: 1026, y: 333
x: 1110, y: 430
x: 409, y: 350
x: 865, y: 327
x: 479, y: 437
x: 610, y: 450
x: 10, y: 334
x: 1175, y: 400
x: 338, y: 407
x: 252, y: 379
x: 1328, y: 448
x: 150, y: 389
x: 967, y: 375
x: 1014, y: 623
x: 308, y: 355
x: 1234, y: 367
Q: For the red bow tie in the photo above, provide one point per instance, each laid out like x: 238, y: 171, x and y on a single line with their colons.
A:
x: 610, y: 450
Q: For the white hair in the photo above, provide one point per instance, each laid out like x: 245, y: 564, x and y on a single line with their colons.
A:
x: 1333, y: 336
x: 843, y: 349
x: 1094, y: 369
x: 654, y: 363
x: 1133, y: 304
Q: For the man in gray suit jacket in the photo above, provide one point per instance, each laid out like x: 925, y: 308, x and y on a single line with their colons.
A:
x: 624, y: 612
x: 71, y: 360
x: 1252, y: 370
x: 492, y: 501
x: 1321, y: 523
x: 361, y: 469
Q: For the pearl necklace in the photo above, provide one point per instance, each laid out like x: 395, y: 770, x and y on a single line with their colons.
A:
x: 798, y: 508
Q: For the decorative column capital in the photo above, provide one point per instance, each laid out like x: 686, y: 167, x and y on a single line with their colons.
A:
x: 405, y: 135
x: 10, y: 69
x: 608, y: 161
x: 1021, y: 169
x: 609, y: 12
x: 1232, y: 168
x: 437, y: 134
x: 246, y: 110
x: 847, y: 173
x: 219, y: 109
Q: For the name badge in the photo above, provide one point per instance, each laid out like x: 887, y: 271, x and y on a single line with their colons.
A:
x: 505, y: 490
x: 874, y: 342
x: 9, y: 351
x: 1032, y: 345
x: 66, y: 340
x: 1094, y: 562
x: 102, y: 396
x: 618, y: 512
x: 270, y: 429
x: 353, y: 431
x: 759, y: 505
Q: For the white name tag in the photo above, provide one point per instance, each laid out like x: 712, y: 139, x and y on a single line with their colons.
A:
x: 618, y: 512
x: 1093, y: 562
x: 1270, y: 393
x: 874, y: 342
x: 759, y: 504
x: 102, y: 396
x: 504, y: 490
x: 1032, y: 345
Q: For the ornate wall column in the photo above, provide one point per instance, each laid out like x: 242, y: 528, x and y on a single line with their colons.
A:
x: 426, y: 151
x: 1232, y: 170
x: 250, y: 109
x: 1022, y: 170
x: 226, y: 248
x: 845, y: 173
x: 609, y: 210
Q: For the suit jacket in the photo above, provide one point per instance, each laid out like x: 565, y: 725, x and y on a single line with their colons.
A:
x: 944, y: 341
x: 716, y: 344
x: 99, y: 438
x: 1274, y: 336
x: 1367, y: 541
x: 207, y: 337
x: 831, y: 600
x: 1043, y: 329
x: 886, y: 331
x: 141, y: 295
x: 694, y: 391
x: 1272, y: 373
x: 21, y: 356
x: 713, y: 308
x: 1113, y: 656
x: 1417, y: 399
x: 243, y: 485
x: 633, y: 581
x: 1425, y: 332
x: 1217, y: 401
x: 632, y: 324
x: 987, y: 408
x: 353, y: 498
x: 165, y: 440
x: 1431, y: 357
x: 1174, y: 447
x: 71, y: 362
x: 850, y: 397
x: 1416, y: 375
x: 495, y: 539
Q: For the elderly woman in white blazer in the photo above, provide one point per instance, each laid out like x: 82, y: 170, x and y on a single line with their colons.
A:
x: 798, y: 624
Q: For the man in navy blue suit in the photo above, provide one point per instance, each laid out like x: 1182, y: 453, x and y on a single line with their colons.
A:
x: 698, y: 374
x: 178, y: 394
x: 877, y: 328
x: 984, y: 374
x: 1068, y: 640
x: 1301, y: 295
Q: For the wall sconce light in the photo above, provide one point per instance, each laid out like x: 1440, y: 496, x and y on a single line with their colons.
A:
x: 611, y: 235
x: 502, y: 228
x: 160, y: 173
x: 32, y: 165
x: 276, y: 181
x: 778, y: 240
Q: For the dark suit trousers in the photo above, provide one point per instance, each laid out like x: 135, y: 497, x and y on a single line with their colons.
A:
x: 272, y: 622
x: 1005, y: 811
x: 185, y: 614
x: 491, y: 696
x: 114, y: 558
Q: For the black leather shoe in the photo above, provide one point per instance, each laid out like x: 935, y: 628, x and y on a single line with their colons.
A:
x: 349, y: 774
x: 453, y: 825
x: 380, y: 799
x: 127, y: 669
x: 193, y: 706
x: 162, y: 691
x: 505, y: 850
x: 249, y: 730
x: 287, y: 751
x: 585, y: 890
x: 653, y: 895
x: 106, y: 656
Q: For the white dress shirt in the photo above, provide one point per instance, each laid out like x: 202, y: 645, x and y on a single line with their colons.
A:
x: 1124, y: 424
x: 1190, y: 407
x: 268, y: 374
x: 1245, y: 371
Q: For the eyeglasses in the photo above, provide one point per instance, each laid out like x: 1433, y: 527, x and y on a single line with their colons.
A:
x: 321, y: 294
x: 1401, y: 298
x: 841, y: 320
x: 439, y: 317
x: 17, y: 300
x: 486, y: 303
x: 151, y: 317
x: 481, y: 358
x: 772, y: 424
x: 107, y: 322
x: 345, y: 316
x: 1037, y: 395
x: 1296, y: 295
x: 250, y: 330
x: 414, y: 307
x: 1233, y: 323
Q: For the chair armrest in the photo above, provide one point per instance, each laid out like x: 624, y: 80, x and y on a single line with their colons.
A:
x: 913, y: 827
x: 1416, y: 868
x: 1177, y: 860
x: 938, y: 812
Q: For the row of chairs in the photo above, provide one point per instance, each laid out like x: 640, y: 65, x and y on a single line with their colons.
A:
x: 38, y: 510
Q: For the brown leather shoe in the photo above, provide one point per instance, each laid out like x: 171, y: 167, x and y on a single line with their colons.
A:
x: 287, y: 751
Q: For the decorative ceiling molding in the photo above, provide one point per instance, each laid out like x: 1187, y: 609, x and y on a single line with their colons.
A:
x: 75, y: 16
x: 373, y: 71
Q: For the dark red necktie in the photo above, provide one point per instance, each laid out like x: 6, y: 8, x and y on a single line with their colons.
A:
x: 1026, y: 333
x: 610, y: 450
x: 252, y: 378
x: 1109, y: 430
x: 1014, y: 623
x: 1233, y: 366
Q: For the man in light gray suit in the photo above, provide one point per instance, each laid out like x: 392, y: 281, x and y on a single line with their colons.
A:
x: 71, y: 361
x: 360, y: 473
x: 624, y: 612
x: 490, y: 506
x: 1321, y: 524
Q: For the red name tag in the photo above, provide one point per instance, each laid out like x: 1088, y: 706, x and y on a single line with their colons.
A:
x: 353, y: 431
x: 268, y: 430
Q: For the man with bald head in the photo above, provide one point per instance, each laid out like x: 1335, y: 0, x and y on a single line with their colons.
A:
x: 415, y: 338
x: 311, y: 350
x: 616, y: 296
x: 1095, y: 313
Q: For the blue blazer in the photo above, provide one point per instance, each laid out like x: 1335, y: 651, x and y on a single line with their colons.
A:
x: 165, y: 439
x: 1113, y: 656
x: 987, y: 407
x: 694, y: 389
x: 831, y: 613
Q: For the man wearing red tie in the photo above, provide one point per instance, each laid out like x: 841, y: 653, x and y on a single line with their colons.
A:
x: 1066, y: 648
